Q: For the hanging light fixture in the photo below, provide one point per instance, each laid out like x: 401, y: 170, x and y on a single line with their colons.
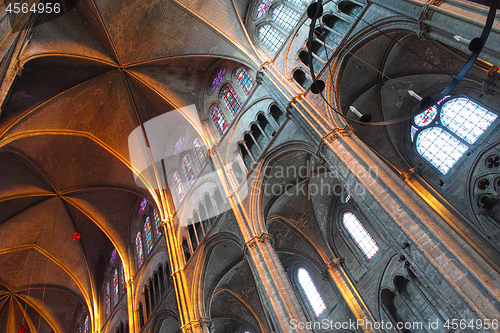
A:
x: 22, y: 329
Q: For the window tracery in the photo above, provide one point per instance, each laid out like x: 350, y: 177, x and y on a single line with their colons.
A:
x: 122, y: 277
x: 219, y: 120
x: 179, y: 189
x: 115, y: 287
x: 309, y: 288
x: 187, y: 166
x: 218, y: 79
x: 231, y: 100
x: 179, y: 144
x: 245, y: 81
x: 443, y: 133
x: 360, y: 235
x: 107, y: 300
x: 148, y: 233
x: 271, y: 38
x: 262, y: 8
x: 157, y: 222
x: 285, y: 17
x: 199, y: 151
x: 138, y: 248
x: 142, y: 206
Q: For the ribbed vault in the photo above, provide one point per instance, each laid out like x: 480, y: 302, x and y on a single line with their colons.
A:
x: 87, y: 79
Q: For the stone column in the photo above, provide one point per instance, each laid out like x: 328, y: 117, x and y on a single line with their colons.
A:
x: 358, y: 308
x: 439, y: 251
x: 274, y: 288
x: 190, y: 321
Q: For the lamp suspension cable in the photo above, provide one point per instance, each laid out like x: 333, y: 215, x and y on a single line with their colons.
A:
x: 315, y: 10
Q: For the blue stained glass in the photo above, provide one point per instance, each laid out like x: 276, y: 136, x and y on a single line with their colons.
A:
x: 149, y: 236
x: 138, y: 247
x: 218, y: 79
x: 188, y: 169
x: 143, y: 206
x: 413, y: 132
x: 86, y: 324
x: 262, y: 8
x: 219, y: 120
x: 245, y: 81
x: 311, y: 292
x: 179, y: 189
x: 178, y: 145
x: 285, y: 17
x: 200, y: 153
x: 231, y: 100
x: 108, y: 300
x: 157, y: 222
x: 113, y: 256
x: 299, y: 3
x: 271, y: 38
x: 440, y: 148
x: 426, y: 117
x: 115, y: 287
x: 122, y: 277
x: 466, y: 119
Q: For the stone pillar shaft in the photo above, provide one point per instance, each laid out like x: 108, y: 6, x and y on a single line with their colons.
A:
x: 277, y: 294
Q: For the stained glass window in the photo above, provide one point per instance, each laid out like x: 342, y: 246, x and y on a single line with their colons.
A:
x: 187, y: 166
x: 149, y: 235
x: 262, y: 8
x: 200, y: 153
x: 79, y: 329
x: 179, y: 189
x: 219, y: 120
x: 466, y: 119
x: 138, y: 247
x: 115, y: 287
x: 271, y: 38
x: 359, y: 234
x: 413, y: 132
x: 440, y: 148
x: 143, y: 205
x: 218, y: 79
x: 231, y: 100
x: 312, y: 294
x: 113, y: 256
x: 122, y: 277
x: 86, y: 324
x: 245, y: 81
x: 157, y: 222
x: 426, y: 117
x: 285, y: 17
x: 299, y: 3
x: 108, y: 300
x: 178, y: 145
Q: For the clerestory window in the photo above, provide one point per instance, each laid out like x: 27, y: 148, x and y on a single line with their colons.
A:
x: 360, y: 235
x: 443, y: 133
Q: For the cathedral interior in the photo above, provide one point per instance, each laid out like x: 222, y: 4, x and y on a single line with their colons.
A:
x: 169, y: 166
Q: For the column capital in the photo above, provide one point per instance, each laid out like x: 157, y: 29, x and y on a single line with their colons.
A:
x: 194, y: 326
x: 264, y: 238
x: 129, y: 282
x: 332, y: 265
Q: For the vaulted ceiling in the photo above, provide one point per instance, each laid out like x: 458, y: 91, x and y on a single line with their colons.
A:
x: 90, y: 77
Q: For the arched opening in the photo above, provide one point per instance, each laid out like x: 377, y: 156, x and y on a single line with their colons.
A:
x: 259, y: 137
x: 245, y: 155
x: 277, y: 114
x: 300, y: 77
x: 266, y: 127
